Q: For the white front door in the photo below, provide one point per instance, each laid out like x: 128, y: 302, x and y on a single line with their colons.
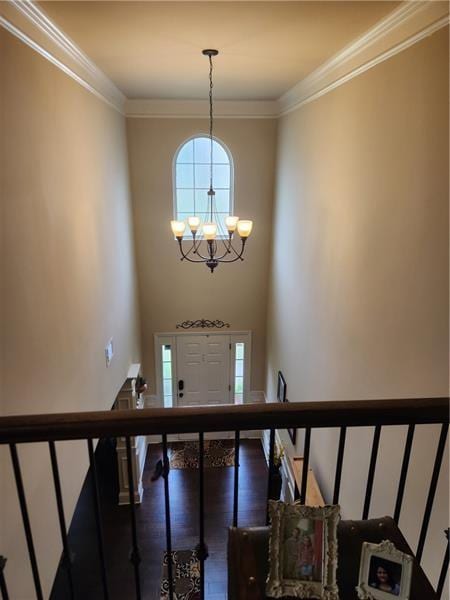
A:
x: 217, y: 369
x: 203, y: 369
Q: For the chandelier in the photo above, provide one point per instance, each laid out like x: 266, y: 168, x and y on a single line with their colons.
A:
x: 204, y: 247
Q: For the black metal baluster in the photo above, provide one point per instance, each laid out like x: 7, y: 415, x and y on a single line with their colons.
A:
x: 202, y: 549
x: 444, y: 571
x: 306, y: 448
x: 66, y: 559
x: 236, y: 478
x: 339, y: 463
x: 26, y: 520
x: 269, y: 478
x: 166, y: 470
x: 3, y: 588
x: 135, y: 557
x: 98, y: 519
x: 404, y: 473
x: 432, y: 491
x: 371, y: 474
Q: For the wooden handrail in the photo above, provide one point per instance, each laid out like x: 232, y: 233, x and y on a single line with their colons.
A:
x: 81, y: 425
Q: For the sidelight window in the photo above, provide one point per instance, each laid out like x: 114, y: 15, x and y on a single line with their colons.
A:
x: 239, y: 373
x: 166, y: 361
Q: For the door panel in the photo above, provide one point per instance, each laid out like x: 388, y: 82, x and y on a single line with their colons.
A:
x: 217, y: 372
x: 203, y: 364
x: 190, y: 370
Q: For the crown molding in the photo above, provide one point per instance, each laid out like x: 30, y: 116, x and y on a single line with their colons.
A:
x: 411, y: 22
x: 405, y: 26
x: 443, y: 22
x: 189, y: 109
x: 29, y: 23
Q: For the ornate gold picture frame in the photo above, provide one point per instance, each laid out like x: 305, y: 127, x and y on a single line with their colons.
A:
x: 303, y: 551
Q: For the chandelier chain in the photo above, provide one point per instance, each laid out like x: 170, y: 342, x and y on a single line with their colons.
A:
x: 211, y: 85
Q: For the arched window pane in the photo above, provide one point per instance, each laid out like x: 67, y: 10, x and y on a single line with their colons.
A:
x: 222, y: 201
x: 202, y: 150
x: 219, y: 154
x: 201, y: 201
x: 185, y: 176
x: 186, y: 201
x: 192, y: 180
x: 202, y: 174
x: 186, y: 154
x: 221, y: 174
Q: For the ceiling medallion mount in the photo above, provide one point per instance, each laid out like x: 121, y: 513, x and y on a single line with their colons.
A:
x: 206, y: 234
x: 210, y: 52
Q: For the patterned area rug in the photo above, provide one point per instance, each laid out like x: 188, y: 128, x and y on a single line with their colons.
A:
x: 217, y: 453
x: 186, y: 576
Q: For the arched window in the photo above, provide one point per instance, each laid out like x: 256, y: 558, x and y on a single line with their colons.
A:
x: 192, y: 180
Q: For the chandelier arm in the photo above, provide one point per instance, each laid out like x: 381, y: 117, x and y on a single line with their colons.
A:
x: 185, y: 255
x: 192, y: 260
x: 239, y: 255
x: 220, y: 259
x: 180, y: 241
x: 241, y: 252
x: 228, y: 247
x: 203, y: 259
x: 196, y: 247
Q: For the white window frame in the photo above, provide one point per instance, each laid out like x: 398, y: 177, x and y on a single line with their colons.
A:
x: 246, y: 339
x: 164, y: 340
x: 174, y: 177
x: 161, y: 339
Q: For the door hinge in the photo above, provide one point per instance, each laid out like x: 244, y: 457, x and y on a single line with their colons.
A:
x: 230, y: 345
x: 229, y: 387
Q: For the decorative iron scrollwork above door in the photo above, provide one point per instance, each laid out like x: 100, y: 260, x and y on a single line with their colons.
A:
x: 203, y: 324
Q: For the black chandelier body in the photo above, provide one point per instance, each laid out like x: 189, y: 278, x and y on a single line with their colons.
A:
x: 212, y: 253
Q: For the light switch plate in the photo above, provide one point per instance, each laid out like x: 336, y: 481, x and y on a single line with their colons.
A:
x: 109, y: 352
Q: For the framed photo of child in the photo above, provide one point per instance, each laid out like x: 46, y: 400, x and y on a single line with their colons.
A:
x: 385, y: 572
x: 303, y: 551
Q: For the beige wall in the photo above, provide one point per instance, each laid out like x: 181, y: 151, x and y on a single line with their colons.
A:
x: 358, y: 301
x: 67, y: 277
x: 171, y: 291
x: 358, y: 297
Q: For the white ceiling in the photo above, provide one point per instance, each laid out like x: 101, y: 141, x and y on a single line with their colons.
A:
x: 153, y: 49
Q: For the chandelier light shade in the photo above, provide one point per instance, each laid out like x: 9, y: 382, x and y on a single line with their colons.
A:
x: 209, y: 243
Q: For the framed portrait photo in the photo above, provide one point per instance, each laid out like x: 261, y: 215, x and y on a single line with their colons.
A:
x: 281, y: 388
x: 384, y: 573
x: 302, y: 551
x: 292, y: 431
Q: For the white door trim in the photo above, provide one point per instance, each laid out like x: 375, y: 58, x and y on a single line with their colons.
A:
x: 171, y: 337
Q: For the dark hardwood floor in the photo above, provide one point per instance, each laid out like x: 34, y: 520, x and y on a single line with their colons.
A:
x: 151, y: 524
